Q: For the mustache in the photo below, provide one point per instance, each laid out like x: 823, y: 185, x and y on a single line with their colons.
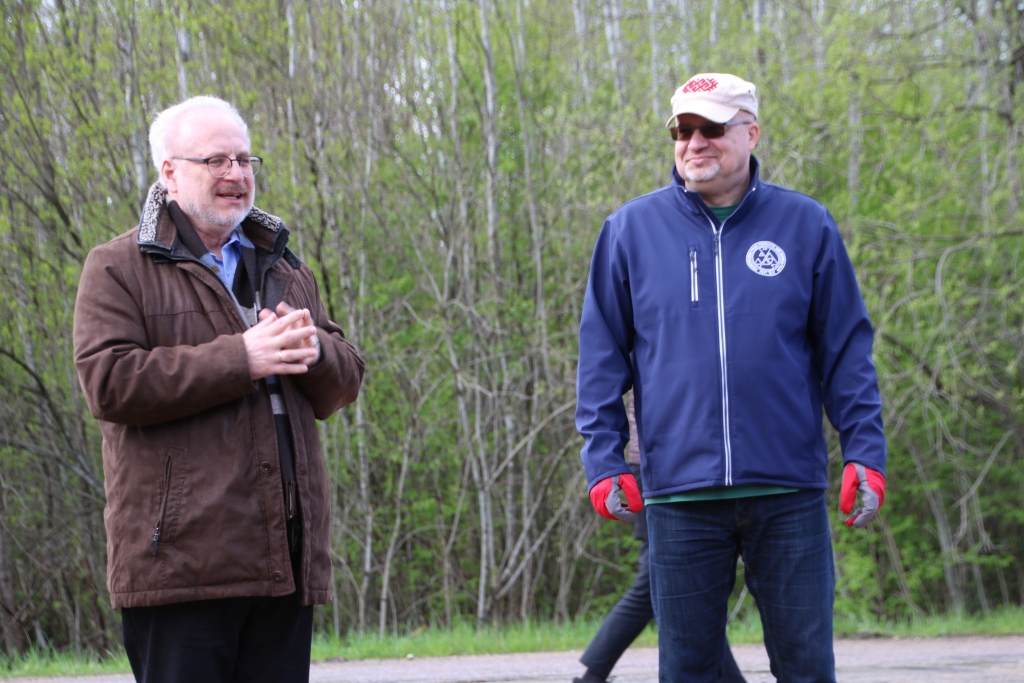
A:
x: 233, y: 189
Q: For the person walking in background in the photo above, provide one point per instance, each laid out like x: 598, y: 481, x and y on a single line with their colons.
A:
x: 730, y: 306
x: 633, y: 611
x: 205, y: 352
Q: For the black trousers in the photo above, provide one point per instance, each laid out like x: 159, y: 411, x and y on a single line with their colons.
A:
x: 232, y: 640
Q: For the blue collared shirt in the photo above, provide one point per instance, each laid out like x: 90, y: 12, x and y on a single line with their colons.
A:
x: 231, y: 254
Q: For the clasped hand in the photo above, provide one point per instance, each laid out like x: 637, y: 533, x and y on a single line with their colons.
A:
x: 284, y: 342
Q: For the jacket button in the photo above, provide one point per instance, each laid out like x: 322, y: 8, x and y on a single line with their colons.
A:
x: 265, y: 466
x: 277, y: 577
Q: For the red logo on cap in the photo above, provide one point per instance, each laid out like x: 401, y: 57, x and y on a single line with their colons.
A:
x: 700, y: 85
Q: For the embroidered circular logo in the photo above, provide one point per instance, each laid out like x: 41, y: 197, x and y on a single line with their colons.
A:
x: 766, y: 258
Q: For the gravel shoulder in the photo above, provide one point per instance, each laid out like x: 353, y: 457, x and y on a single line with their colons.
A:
x: 993, y: 659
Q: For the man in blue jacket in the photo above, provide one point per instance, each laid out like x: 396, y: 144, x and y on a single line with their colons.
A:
x: 729, y: 305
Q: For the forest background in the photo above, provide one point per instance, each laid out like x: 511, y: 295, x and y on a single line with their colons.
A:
x: 445, y: 167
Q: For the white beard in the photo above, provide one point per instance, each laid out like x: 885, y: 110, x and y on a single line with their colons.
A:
x: 701, y: 173
x: 204, y: 213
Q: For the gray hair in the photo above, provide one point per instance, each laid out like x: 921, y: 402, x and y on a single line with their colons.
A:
x: 163, y: 124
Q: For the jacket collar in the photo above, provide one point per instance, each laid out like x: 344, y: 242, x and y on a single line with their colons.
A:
x: 755, y: 182
x: 157, y: 231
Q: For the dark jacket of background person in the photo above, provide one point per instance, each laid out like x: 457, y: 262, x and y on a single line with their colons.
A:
x: 750, y: 408
x: 633, y: 459
x: 189, y: 440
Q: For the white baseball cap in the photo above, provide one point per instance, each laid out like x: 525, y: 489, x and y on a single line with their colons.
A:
x: 716, y: 97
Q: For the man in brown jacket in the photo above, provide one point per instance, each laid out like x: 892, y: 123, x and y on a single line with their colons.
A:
x: 205, y: 352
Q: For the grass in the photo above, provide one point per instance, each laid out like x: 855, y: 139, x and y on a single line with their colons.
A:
x: 49, y: 663
x: 465, y: 639
x: 1000, y: 622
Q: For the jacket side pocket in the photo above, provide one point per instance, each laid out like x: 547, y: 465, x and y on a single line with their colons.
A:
x: 694, y: 294
x: 163, y: 518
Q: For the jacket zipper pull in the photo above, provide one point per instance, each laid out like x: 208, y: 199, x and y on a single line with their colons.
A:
x: 693, y: 276
x: 718, y: 235
x: 163, y: 505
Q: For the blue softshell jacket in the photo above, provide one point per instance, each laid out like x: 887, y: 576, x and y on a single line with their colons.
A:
x: 733, y: 336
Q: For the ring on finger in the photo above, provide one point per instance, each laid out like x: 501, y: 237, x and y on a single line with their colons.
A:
x: 280, y: 358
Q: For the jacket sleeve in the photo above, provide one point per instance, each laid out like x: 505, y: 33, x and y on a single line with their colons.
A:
x: 604, y: 373
x: 841, y: 338
x: 123, y: 379
x: 335, y: 379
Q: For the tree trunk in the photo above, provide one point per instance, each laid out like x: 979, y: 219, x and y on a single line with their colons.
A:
x: 949, y: 568
x: 856, y: 140
x: 613, y: 35
x: 293, y: 136
x: 14, y: 640
x: 491, y: 141
x: 183, y: 44
x: 481, y: 477
x: 582, y: 60
x: 713, y: 21
x: 395, y: 529
x: 656, y: 58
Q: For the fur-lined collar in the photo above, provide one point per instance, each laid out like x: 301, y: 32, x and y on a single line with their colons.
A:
x: 154, y: 208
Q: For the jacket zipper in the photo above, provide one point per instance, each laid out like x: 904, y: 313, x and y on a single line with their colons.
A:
x: 163, y: 505
x: 694, y: 297
x: 723, y: 360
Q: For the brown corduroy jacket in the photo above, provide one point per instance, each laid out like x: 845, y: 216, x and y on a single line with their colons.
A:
x: 189, y: 441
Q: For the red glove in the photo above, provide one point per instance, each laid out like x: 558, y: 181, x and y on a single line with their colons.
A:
x: 871, y: 485
x: 605, y: 497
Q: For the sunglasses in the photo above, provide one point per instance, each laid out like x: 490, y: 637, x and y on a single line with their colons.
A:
x: 709, y: 131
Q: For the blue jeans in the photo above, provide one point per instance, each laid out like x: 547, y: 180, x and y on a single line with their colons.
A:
x: 626, y: 622
x: 786, y: 546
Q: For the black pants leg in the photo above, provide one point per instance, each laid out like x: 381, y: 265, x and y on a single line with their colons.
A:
x: 233, y: 640
x: 624, y: 623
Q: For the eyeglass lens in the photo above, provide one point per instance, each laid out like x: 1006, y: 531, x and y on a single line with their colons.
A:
x: 221, y: 166
x: 708, y: 130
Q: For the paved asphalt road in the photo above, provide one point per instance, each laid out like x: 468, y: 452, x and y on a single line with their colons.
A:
x: 915, y: 660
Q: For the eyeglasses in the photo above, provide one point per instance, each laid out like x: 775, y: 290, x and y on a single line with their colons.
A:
x: 220, y: 166
x: 710, y: 131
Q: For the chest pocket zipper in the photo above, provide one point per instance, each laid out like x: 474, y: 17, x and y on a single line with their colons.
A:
x: 694, y: 295
x: 163, y: 504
